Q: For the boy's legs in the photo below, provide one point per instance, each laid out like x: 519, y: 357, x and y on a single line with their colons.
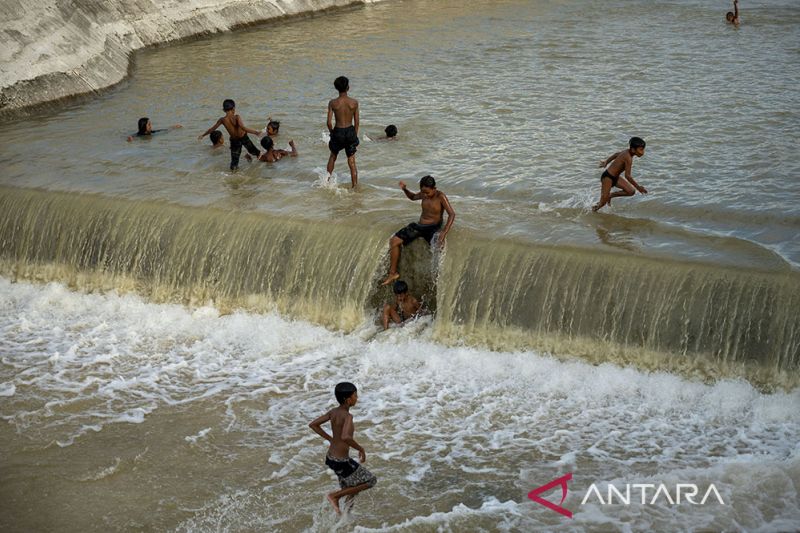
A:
x: 351, y: 162
x: 627, y: 189
x: 236, y: 152
x: 395, y: 245
x: 250, y: 146
x: 331, y: 162
x: 350, y: 492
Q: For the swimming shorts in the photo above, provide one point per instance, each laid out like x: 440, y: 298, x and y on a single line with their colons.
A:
x: 349, y: 472
x: 607, y: 174
x: 414, y: 231
x: 343, y: 138
x: 236, y: 149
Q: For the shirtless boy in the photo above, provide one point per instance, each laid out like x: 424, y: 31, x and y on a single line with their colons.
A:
x: 345, y: 134
x: 353, y: 477
x: 434, y: 205
x: 612, y: 176
x: 237, y: 131
x: 733, y: 16
x: 270, y: 154
x: 405, y: 306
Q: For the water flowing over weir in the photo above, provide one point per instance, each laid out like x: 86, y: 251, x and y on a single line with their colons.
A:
x: 688, y: 317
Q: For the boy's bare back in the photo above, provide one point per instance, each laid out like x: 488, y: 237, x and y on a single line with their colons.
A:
x: 341, y: 428
x: 234, y: 126
x: 344, y: 109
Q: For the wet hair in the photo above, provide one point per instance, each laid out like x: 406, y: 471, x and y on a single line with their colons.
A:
x: 275, y: 125
x: 343, y: 391
x: 391, y: 130
x: 400, y: 287
x: 143, y: 125
x: 215, y: 136
x: 341, y: 83
x: 729, y: 16
x: 427, y: 181
x: 266, y: 142
x: 228, y: 104
x: 636, y: 142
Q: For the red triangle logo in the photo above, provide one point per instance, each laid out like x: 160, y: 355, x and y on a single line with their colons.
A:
x: 534, y: 495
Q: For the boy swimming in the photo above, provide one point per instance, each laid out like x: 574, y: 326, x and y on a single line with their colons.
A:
x: 145, y: 128
x: 216, y: 139
x: 237, y: 132
x: 270, y: 154
x: 405, y: 306
x: 345, y: 134
x: 353, y: 477
x: 434, y: 205
x: 612, y: 176
x: 733, y: 16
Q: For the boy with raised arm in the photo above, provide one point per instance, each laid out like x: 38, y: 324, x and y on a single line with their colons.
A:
x: 345, y: 134
x: 270, y: 154
x: 733, y: 16
x: 612, y: 176
x: 434, y: 205
x: 353, y: 477
x: 237, y: 131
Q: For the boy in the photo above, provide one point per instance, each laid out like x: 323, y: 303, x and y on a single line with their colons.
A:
x: 391, y: 133
x: 612, y: 176
x: 237, y: 131
x: 733, y: 17
x: 353, y: 478
x: 434, y: 204
x: 270, y: 155
x: 216, y: 139
x: 345, y: 134
x: 405, y: 306
x: 145, y: 128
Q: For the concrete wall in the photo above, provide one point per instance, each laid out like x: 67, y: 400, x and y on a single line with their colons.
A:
x: 54, y: 49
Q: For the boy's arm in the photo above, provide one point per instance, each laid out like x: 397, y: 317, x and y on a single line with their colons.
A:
x: 355, y: 118
x: 212, y: 128
x: 293, y: 146
x: 612, y: 157
x: 330, y: 117
x: 245, y: 128
x: 735, y: 9
x: 316, y: 426
x: 451, y: 216
x: 347, y: 437
x: 410, y: 195
x: 629, y: 177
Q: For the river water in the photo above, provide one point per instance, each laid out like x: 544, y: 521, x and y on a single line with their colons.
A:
x: 187, y: 323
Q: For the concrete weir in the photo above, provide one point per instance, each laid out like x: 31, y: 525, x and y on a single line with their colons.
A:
x: 55, y: 49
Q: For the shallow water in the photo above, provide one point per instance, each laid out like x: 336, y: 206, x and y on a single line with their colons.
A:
x: 125, y: 413
x: 510, y: 110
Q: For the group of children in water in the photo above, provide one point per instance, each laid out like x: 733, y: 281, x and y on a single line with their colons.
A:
x: 343, y: 125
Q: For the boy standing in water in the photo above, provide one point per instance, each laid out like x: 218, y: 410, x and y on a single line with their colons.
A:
x: 434, y: 205
x: 237, y: 131
x: 345, y: 134
x: 405, y: 306
x: 353, y: 477
x: 612, y: 176
x: 733, y: 16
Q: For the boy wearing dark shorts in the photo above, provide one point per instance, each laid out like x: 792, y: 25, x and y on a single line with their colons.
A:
x: 237, y: 131
x: 612, y: 176
x: 434, y: 205
x: 345, y: 134
x: 353, y: 477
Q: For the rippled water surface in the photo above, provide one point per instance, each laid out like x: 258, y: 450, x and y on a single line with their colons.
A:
x: 509, y: 104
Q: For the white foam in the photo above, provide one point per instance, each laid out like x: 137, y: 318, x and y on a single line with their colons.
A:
x: 450, y: 421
